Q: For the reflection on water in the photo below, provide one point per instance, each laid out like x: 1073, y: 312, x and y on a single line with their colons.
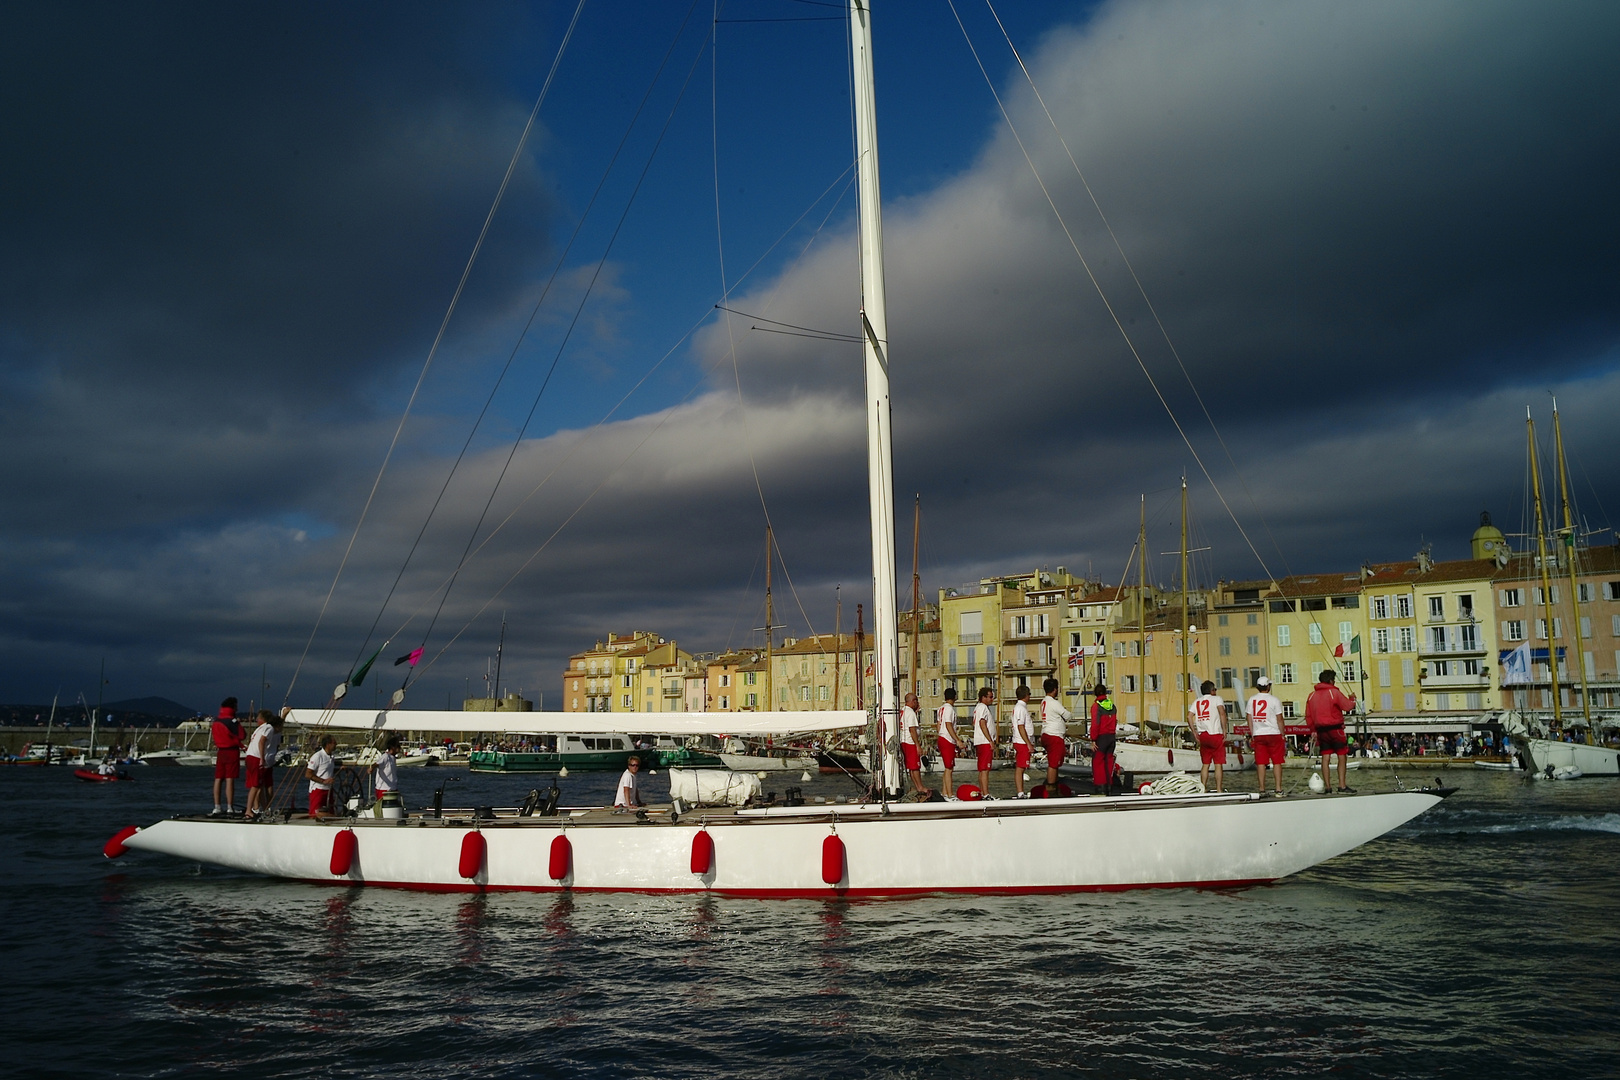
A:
x: 1478, y: 941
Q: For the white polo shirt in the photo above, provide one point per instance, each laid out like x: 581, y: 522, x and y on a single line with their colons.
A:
x: 1023, y: 726
x: 324, y: 768
x: 1265, y: 715
x: 908, y: 726
x: 984, y: 717
x: 1206, y: 714
x: 946, y: 718
x: 1054, y: 717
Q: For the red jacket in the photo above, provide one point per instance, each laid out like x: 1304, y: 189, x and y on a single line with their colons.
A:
x: 1326, y: 706
x: 227, y: 732
x: 1104, y: 721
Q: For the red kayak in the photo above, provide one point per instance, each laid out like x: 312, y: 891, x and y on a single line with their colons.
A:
x: 98, y: 778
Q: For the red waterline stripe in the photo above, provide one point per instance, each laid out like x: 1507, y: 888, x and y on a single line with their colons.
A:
x: 825, y: 893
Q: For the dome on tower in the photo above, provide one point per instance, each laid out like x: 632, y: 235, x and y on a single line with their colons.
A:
x: 1489, y: 543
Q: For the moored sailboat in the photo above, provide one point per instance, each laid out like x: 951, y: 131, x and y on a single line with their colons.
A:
x: 878, y: 848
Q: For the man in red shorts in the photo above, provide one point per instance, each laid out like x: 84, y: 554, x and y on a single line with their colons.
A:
x: 948, y: 740
x: 910, y: 725
x: 259, y: 767
x: 1054, y: 734
x: 320, y: 771
x: 984, y: 736
x: 1266, y: 734
x: 226, y: 732
x: 1023, y: 739
x: 1209, y: 720
x: 1104, y: 733
x: 1324, y: 715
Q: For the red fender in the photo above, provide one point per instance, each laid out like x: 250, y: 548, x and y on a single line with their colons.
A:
x: 832, y: 860
x: 969, y: 793
x: 472, y: 854
x: 115, y: 847
x: 344, y: 845
x: 702, y: 852
x: 1172, y: 756
x: 562, y: 857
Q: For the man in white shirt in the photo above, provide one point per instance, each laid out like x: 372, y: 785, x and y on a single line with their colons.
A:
x: 984, y: 736
x: 320, y: 771
x: 1023, y: 738
x: 259, y: 766
x: 910, y: 725
x: 627, y: 796
x: 1209, y: 720
x: 385, y: 774
x: 1054, y: 734
x: 948, y: 740
x: 1266, y: 733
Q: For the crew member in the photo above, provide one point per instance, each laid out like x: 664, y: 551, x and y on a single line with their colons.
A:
x: 1324, y: 715
x: 1023, y: 737
x: 628, y: 794
x: 259, y: 768
x: 948, y: 740
x: 320, y: 771
x: 984, y: 736
x: 385, y: 774
x: 1209, y: 720
x: 1104, y: 726
x: 1054, y: 733
x: 227, y: 737
x: 909, y: 727
x: 1266, y: 734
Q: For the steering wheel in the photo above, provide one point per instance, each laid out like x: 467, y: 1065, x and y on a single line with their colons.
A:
x: 346, y: 785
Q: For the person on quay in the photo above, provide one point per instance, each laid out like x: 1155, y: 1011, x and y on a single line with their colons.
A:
x: 320, y: 771
x: 259, y: 767
x: 385, y: 774
x: 1266, y: 734
x: 948, y: 741
x: 1104, y: 735
x: 1054, y: 733
x: 984, y: 736
x: 1209, y: 720
x: 226, y: 732
x: 627, y: 796
x: 910, y: 728
x: 1023, y: 737
x: 1324, y: 715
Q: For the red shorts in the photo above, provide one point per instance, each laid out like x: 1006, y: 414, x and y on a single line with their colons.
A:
x: 317, y: 799
x: 947, y: 753
x: 228, y: 764
x: 1331, y: 740
x: 253, y: 769
x: 1021, y: 755
x: 1211, y: 749
x: 913, y: 758
x: 1056, y: 749
x: 985, y: 752
x: 1269, y: 750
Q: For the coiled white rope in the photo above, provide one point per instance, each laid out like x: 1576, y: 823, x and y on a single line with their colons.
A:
x: 1176, y: 783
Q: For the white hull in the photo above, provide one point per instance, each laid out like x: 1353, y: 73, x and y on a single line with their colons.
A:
x: 1149, y: 758
x: 761, y: 763
x: 1062, y: 845
x: 1544, y: 754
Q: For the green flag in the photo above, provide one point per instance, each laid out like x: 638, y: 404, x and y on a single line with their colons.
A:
x: 1355, y: 643
x: 359, y: 675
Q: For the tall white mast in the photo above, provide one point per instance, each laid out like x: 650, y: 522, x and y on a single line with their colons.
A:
x: 875, y: 331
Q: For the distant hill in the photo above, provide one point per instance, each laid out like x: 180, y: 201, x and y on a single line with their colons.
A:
x: 151, y: 706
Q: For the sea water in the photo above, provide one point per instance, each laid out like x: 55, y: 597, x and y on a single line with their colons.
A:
x: 1481, y: 940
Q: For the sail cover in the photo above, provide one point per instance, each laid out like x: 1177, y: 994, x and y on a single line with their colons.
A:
x: 560, y: 723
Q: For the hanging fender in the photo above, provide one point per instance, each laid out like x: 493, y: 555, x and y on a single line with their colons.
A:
x: 562, y: 857
x: 472, y: 854
x: 702, y: 852
x: 832, y: 860
x: 115, y: 847
x: 344, y: 845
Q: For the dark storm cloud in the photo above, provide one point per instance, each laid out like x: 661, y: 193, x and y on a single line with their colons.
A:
x: 1374, y: 232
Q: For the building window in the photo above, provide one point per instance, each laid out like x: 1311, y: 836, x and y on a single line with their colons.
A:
x: 626, y: 701
x: 1254, y: 645
x: 973, y: 659
x: 725, y: 702
x: 1406, y: 636
x: 1403, y: 607
x: 1381, y: 640
x: 624, y: 680
x: 823, y: 694
x: 1512, y: 597
x: 1288, y: 710
x: 725, y: 680
x: 753, y: 701
x: 1251, y: 619
x: 1316, y: 633
x: 1285, y: 636
x: 1220, y: 620
x: 1380, y: 607
x: 1406, y: 674
x: 1383, y: 675
x: 1102, y: 672
x: 1153, y: 684
x: 1020, y: 627
x: 1228, y: 678
x: 1316, y: 672
x: 1437, y: 639
x: 804, y: 693
x: 1346, y: 632
x: 950, y: 659
x: 1225, y: 645
x: 1470, y: 637
x: 1442, y: 701
x: 989, y: 656
x: 751, y: 678
x: 1285, y: 673
x: 1386, y: 702
x: 1437, y: 607
x: 1128, y: 684
x: 782, y: 695
x: 1411, y: 700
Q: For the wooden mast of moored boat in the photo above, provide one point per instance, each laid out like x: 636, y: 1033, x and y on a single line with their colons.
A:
x: 1186, y: 637
x: 770, y: 623
x: 1141, y: 617
x: 879, y: 430
x: 1546, y: 579
x: 1567, y: 534
x: 916, y: 596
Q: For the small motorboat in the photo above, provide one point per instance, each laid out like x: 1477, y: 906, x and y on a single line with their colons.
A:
x: 101, y: 778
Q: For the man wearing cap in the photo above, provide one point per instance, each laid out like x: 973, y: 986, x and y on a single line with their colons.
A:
x: 1104, y: 725
x: 1265, y: 733
x: 1324, y: 714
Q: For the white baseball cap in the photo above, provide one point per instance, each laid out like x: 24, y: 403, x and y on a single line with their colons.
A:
x: 1262, y: 682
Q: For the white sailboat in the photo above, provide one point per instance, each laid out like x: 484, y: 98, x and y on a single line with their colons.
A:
x: 875, y: 849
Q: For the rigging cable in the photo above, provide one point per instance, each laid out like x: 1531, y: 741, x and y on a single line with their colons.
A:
x: 433, y: 350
